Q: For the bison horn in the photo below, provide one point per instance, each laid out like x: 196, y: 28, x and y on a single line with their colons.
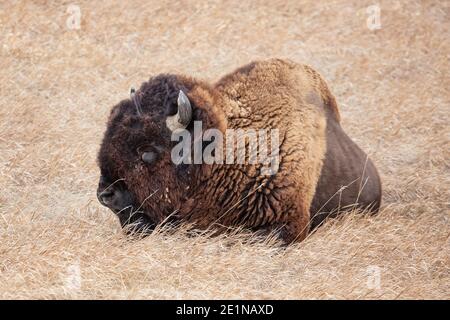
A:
x: 184, y: 115
x: 136, y: 101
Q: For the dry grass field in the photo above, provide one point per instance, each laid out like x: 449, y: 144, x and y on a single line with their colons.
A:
x: 57, y: 85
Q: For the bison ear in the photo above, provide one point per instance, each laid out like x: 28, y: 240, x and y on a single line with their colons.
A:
x: 183, y: 116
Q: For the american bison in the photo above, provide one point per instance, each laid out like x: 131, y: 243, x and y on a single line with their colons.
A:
x: 320, y: 172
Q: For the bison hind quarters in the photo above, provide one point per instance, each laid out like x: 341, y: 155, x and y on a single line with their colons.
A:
x: 320, y: 215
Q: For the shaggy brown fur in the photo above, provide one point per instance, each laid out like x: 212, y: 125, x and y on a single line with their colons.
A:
x: 316, y: 158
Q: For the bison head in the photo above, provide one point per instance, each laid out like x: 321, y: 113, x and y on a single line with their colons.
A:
x: 138, y: 181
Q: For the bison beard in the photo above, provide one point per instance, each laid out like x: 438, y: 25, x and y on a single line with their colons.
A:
x: 322, y: 172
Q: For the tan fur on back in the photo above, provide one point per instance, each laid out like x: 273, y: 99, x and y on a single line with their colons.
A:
x: 272, y: 94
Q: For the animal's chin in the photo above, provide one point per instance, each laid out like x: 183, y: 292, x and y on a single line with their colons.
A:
x: 135, y: 222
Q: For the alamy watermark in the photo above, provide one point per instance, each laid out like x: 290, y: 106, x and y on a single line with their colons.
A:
x: 373, y: 274
x: 374, y: 19
x: 73, y: 21
x: 238, y: 146
x: 72, y: 278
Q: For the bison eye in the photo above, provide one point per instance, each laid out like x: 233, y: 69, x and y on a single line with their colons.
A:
x: 148, y: 157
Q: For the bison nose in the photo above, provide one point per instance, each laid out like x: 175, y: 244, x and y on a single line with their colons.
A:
x: 117, y: 200
x: 106, y: 196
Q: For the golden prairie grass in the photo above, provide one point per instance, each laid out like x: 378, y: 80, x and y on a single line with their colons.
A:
x: 57, y: 86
